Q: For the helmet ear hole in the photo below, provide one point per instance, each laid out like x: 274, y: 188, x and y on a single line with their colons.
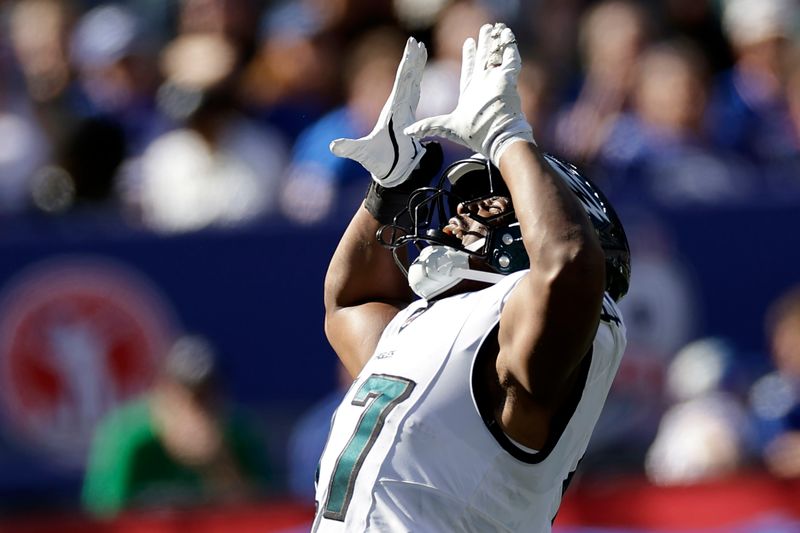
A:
x: 507, y: 251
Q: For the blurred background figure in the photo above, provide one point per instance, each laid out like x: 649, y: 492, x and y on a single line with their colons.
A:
x: 180, y: 445
x: 24, y: 151
x: 749, y: 109
x: 550, y: 30
x: 293, y: 94
x: 236, y: 22
x: 612, y: 36
x: 219, y: 168
x: 775, y: 397
x: 659, y: 149
x: 783, y: 173
x: 705, y: 433
x: 320, y: 184
x: 349, y: 18
x: 39, y: 34
x: 661, y: 316
x: 113, y: 55
x: 698, y: 21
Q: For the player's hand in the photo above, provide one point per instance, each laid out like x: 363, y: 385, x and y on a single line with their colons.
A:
x: 387, y: 153
x: 488, y: 117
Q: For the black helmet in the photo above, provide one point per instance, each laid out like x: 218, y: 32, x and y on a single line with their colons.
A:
x: 474, y: 179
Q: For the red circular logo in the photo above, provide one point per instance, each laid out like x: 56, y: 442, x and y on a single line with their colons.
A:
x: 77, y: 336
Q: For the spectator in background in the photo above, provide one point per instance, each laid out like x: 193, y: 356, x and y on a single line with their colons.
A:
x: 749, y: 110
x: 114, y: 58
x: 292, y: 94
x: 784, y: 172
x: 178, y: 446
x: 612, y: 36
x: 220, y: 168
x: 39, y: 31
x: 235, y: 21
x: 659, y: 149
x: 698, y: 21
x: 318, y: 182
x: 418, y: 15
x: 41, y: 118
x: 705, y: 434
x: 93, y: 120
x: 536, y: 95
x: 348, y: 18
x: 24, y: 149
x: 552, y: 27
x: 775, y: 398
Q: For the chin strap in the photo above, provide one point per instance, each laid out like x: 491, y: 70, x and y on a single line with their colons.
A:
x: 477, y: 275
x: 439, y: 268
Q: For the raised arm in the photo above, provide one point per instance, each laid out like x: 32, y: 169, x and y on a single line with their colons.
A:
x: 550, y: 318
x: 364, y: 289
x: 549, y: 322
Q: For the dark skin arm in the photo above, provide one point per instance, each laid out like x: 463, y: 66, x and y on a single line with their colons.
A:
x: 364, y: 290
x: 552, y: 315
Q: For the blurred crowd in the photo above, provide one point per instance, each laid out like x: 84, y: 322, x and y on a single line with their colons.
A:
x: 719, y: 419
x: 181, y: 115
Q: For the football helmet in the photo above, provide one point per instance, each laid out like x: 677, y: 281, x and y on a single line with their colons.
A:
x: 442, y: 260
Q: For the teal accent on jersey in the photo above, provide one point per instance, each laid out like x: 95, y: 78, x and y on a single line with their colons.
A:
x: 386, y: 392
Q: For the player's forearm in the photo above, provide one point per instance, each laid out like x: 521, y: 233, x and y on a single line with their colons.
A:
x: 557, y: 234
x: 550, y: 321
x: 362, y: 270
x: 364, y: 289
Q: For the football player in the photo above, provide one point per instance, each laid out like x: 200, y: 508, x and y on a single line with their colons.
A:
x: 473, y: 403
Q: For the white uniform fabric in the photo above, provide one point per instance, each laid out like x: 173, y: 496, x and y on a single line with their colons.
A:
x: 409, y: 450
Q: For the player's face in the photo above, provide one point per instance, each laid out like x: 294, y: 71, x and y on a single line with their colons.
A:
x: 467, y: 228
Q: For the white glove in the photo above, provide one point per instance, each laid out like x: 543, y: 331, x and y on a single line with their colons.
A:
x: 387, y: 153
x: 487, y: 118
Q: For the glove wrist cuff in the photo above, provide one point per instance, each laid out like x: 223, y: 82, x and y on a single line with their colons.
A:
x: 502, y: 142
x: 384, y: 203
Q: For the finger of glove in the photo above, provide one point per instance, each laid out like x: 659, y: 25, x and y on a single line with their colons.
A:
x: 409, y: 70
x: 420, y: 58
x: 467, y: 63
x: 483, y: 46
x: 511, y: 60
x: 349, y: 148
x: 506, y: 36
x: 432, y: 126
x: 416, y: 71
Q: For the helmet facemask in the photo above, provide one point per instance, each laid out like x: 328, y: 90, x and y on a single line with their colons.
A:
x: 442, y: 259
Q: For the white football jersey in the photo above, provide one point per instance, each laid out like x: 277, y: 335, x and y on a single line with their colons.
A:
x: 409, y: 449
